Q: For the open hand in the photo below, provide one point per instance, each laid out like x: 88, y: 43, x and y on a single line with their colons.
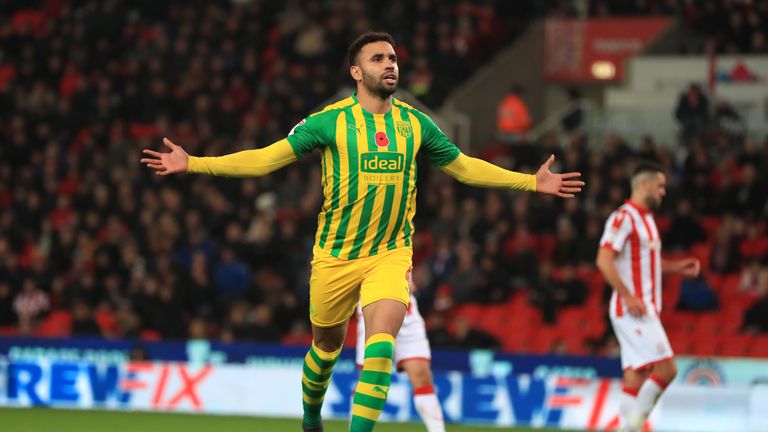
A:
x: 176, y: 161
x: 562, y: 185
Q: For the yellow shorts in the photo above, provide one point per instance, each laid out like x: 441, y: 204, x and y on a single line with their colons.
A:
x: 336, y: 285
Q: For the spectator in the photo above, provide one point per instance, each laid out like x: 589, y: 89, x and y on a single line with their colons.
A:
x: 756, y: 317
x: 232, y: 276
x: 437, y: 333
x: 724, y: 258
x: 512, y: 117
x: 692, y: 113
x: 473, y: 338
x: 573, y: 118
x: 754, y: 279
x: 83, y: 323
x: 31, y: 303
x: 684, y: 230
x: 466, y: 279
x: 7, y: 312
x: 697, y: 295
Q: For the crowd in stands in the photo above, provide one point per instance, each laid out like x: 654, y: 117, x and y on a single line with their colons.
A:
x: 724, y: 26
x: 93, y: 244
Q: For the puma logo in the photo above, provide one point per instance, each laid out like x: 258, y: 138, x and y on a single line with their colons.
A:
x: 380, y: 390
x: 353, y: 127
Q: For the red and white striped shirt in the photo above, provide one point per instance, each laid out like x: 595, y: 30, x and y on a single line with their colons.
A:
x: 631, y: 232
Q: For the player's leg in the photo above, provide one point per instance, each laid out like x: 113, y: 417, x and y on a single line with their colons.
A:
x: 661, y: 374
x: 382, y: 321
x: 317, y: 370
x: 384, y: 296
x: 424, y: 396
x: 644, y: 347
x: 333, y: 295
x: 629, y: 413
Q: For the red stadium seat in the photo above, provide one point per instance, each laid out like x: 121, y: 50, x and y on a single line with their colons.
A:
x: 8, y: 331
x: 58, y: 323
x: 150, y: 335
x: 735, y: 345
x: 759, y: 346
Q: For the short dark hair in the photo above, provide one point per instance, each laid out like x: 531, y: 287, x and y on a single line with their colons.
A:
x: 647, y: 166
x: 643, y: 169
x: 363, y: 40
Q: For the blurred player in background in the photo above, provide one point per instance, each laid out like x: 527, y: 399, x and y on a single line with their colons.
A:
x: 630, y: 260
x: 412, y: 355
x: 362, y: 251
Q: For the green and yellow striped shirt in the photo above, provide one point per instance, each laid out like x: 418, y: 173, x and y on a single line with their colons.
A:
x: 369, y: 173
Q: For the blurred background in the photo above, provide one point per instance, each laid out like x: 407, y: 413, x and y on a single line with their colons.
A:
x: 97, y: 253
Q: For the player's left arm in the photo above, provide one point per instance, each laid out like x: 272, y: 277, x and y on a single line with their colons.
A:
x: 688, y: 267
x: 477, y: 172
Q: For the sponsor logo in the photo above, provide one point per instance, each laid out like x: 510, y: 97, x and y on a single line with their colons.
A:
x: 705, y: 373
x: 382, y: 163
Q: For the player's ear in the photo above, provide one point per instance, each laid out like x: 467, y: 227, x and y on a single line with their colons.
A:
x: 355, y: 72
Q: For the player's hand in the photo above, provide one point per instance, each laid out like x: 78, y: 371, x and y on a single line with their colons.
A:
x: 562, y: 185
x: 690, y: 267
x: 635, y: 306
x: 176, y: 161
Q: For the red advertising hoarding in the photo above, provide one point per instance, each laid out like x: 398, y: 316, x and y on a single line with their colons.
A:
x: 595, y: 49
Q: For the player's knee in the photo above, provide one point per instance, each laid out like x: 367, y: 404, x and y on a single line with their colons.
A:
x: 419, y: 374
x: 668, y: 370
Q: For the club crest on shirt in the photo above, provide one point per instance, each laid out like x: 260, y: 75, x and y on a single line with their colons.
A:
x: 403, y: 128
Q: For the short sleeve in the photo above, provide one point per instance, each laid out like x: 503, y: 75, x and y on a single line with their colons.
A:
x: 440, y: 150
x: 309, y: 134
x: 617, y: 228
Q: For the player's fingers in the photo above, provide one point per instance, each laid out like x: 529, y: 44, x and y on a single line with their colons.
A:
x: 570, y: 175
x: 149, y: 160
x: 168, y: 143
x: 152, y: 153
x: 570, y: 189
x: 549, y: 162
x: 573, y: 183
x: 565, y: 195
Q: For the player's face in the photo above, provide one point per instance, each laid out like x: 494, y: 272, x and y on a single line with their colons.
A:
x: 377, y: 69
x: 657, y: 188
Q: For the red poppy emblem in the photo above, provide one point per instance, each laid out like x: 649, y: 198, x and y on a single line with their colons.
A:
x: 381, y: 139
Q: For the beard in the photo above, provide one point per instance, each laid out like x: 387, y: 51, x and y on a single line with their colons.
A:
x: 652, y: 203
x: 377, y: 86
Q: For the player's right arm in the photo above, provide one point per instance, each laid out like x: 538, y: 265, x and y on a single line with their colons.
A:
x: 309, y: 134
x: 618, y: 227
x: 247, y: 163
x: 606, y: 263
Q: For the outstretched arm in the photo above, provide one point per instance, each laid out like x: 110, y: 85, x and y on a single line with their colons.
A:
x: 688, y: 267
x: 477, y: 172
x: 248, y: 163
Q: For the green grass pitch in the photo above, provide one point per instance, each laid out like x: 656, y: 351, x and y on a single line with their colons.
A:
x: 50, y: 420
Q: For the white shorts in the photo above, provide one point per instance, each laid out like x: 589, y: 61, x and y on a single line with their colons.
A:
x: 411, y: 342
x: 643, y: 341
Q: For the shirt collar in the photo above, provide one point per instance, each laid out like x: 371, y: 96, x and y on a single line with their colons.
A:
x: 640, y: 209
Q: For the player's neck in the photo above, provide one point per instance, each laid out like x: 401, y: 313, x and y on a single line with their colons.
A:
x: 639, y: 203
x: 372, y: 103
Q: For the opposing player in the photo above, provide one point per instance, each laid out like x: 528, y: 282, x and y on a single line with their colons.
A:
x: 362, y: 250
x: 630, y: 260
x: 412, y: 355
